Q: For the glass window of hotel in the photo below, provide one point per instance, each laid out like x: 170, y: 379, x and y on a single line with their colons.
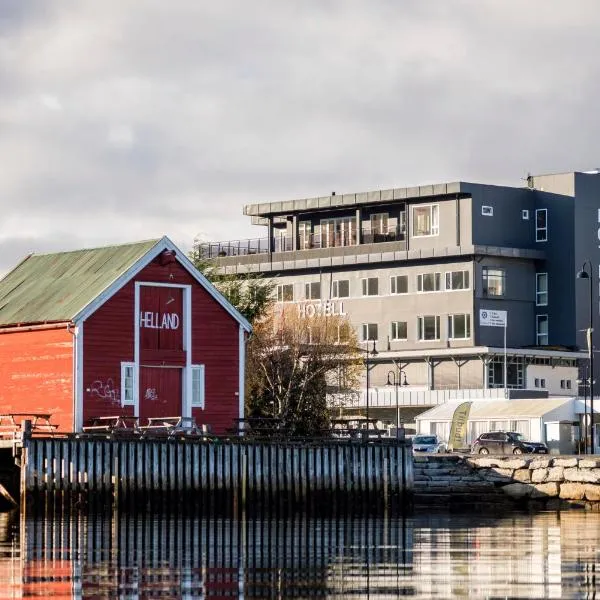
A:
x: 312, y: 291
x: 340, y: 288
x: 541, y: 225
x: 379, y: 223
x: 426, y: 220
x: 459, y: 327
x: 304, y: 235
x: 429, y: 282
x: 399, y: 330
x: 428, y: 328
x: 541, y: 289
x: 493, y: 281
x: 285, y: 292
x: 338, y: 232
x: 399, y: 284
x: 369, y: 332
x: 541, y: 330
x: 370, y: 286
x: 457, y: 280
x: 402, y: 222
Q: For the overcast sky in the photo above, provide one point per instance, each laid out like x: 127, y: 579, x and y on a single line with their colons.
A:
x: 129, y: 119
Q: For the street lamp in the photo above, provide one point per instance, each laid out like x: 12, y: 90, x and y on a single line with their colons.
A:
x: 372, y: 353
x: 583, y: 274
x: 393, y: 378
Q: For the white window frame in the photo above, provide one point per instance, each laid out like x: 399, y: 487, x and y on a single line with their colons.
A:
x: 394, y: 284
x: 451, y: 318
x: 365, y: 330
x: 394, y: 335
x: 198, y: 375
x: 421, y: 328
x: 485, y: 279
x: 487, y: 211
x: 133, y: 378
x: 525, y: 214
x: 541, y: 233
x: 365, y: 285
x: 539, y: 295
x: 434, y: 220
x: 308, y: 290
x: 335, y: 288
x: 280, y: 288
x: 379, y: 223
x: 448, y: 278
x: 437, y: 283
x: 538, y: 334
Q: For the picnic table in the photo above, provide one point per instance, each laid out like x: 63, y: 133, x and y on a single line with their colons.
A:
x: 112, y: 423
x: 173, y: 426
x: 40, y: 422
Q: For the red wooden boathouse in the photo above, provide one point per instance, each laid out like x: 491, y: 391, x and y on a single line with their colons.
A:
x: 133, y: 329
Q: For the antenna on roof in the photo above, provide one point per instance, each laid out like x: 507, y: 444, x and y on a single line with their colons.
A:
x: 333, y: 193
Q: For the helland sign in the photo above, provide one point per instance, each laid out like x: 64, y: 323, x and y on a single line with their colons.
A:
x: 329, y: 308
x: 155, y: 320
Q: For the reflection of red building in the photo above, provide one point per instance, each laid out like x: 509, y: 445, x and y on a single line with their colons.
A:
x: 132, y: 329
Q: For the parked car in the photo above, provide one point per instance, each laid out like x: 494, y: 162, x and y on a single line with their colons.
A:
x: 428, y: 443
x: 506, y: 442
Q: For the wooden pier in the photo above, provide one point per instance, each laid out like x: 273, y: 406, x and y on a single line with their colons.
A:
x: 221, y: 474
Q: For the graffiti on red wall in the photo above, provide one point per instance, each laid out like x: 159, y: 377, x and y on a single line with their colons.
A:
x: 105, y: 390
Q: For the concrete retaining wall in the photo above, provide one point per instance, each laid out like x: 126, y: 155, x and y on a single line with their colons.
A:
x: 534, y: 482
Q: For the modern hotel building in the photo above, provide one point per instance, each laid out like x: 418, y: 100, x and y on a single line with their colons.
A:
x: 419, y: 270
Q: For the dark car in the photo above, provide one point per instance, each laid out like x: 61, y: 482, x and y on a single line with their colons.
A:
x: 503, y: 442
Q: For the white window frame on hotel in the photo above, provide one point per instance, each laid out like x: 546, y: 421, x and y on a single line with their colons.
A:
x: 466, y: 326
x: 312, y: 290
x: 421, y: 328
x: 426, y: 220
x: 338, y: 231
x: 304, y: 235
x: 541, y: 337
x: 496, y: 276
x: 395, y: 331
x: 369, y: 331
x: 436, y: 281
x: 394, y: 279
x: 283, y: 291
x: 335, y: 288
x: 457, y: 280
x: 367, y: 284
x: 379, y: 222
x: 541, y: 231
x: 541, y: 289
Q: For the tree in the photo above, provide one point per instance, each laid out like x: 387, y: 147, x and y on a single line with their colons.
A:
x: 251, y: 293
x: 292, y: 364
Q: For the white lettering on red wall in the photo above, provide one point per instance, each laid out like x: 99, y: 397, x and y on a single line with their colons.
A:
x: 155, y: 320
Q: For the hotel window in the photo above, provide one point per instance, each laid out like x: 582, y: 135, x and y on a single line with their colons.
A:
x: 399, y: 330
x: 341, y: 288
x: 338, y: 232
x: 541, y: 225
x: 540, y: 383
x: 379, y: 223
x: 459, y: 327
x: 304, y: 235
x: 428, y: 328
x: 541, y: 330
x: 541, y: 289
x: 565, y: 384
x: 285, y: 292
x: 457, y: 280
x: 399, y: 284
x: 369, y: 332
x: 198, y: 386
x: 127, y: 384
x: 493, y: 281
x: 312, y: 291
x: 426, y: 220
x: 429, y: 282
x: 370, y: 286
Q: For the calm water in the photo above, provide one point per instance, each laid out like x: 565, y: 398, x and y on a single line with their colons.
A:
x: 424, y: 556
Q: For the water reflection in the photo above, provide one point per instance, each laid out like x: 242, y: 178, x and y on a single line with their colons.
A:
x: 424, y: 556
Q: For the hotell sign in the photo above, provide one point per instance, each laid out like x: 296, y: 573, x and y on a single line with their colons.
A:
x: 329, y: 308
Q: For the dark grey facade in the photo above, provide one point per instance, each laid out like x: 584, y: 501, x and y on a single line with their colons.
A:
x: 440, y: 254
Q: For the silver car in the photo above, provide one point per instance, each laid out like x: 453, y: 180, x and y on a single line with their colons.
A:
x: 429, y: 443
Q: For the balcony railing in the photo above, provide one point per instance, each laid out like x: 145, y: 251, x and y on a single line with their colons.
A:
x: 284, y: 243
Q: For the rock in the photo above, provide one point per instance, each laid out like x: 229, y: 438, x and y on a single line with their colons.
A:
x: 517, y: 490
x: 480, y: 463
x: 565, y: 462
x: 515, y: 463
x: 522, y: 475
x: 539, y: 475
x: 540, y: 463
x: 572, y: 491
x: 592, y: 492
x: 575, y: 474
x: 470, y: 478
x: 555, y: 474
x: 507, y: 473
x: 589, y: 463
x: 545, y: 490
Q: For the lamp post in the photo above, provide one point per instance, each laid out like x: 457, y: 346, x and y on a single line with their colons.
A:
x: 584, y: 274
x: 371, y: 353
x: 393, y: 378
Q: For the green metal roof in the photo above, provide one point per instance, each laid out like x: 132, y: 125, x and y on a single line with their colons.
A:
x: 50, y: 288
